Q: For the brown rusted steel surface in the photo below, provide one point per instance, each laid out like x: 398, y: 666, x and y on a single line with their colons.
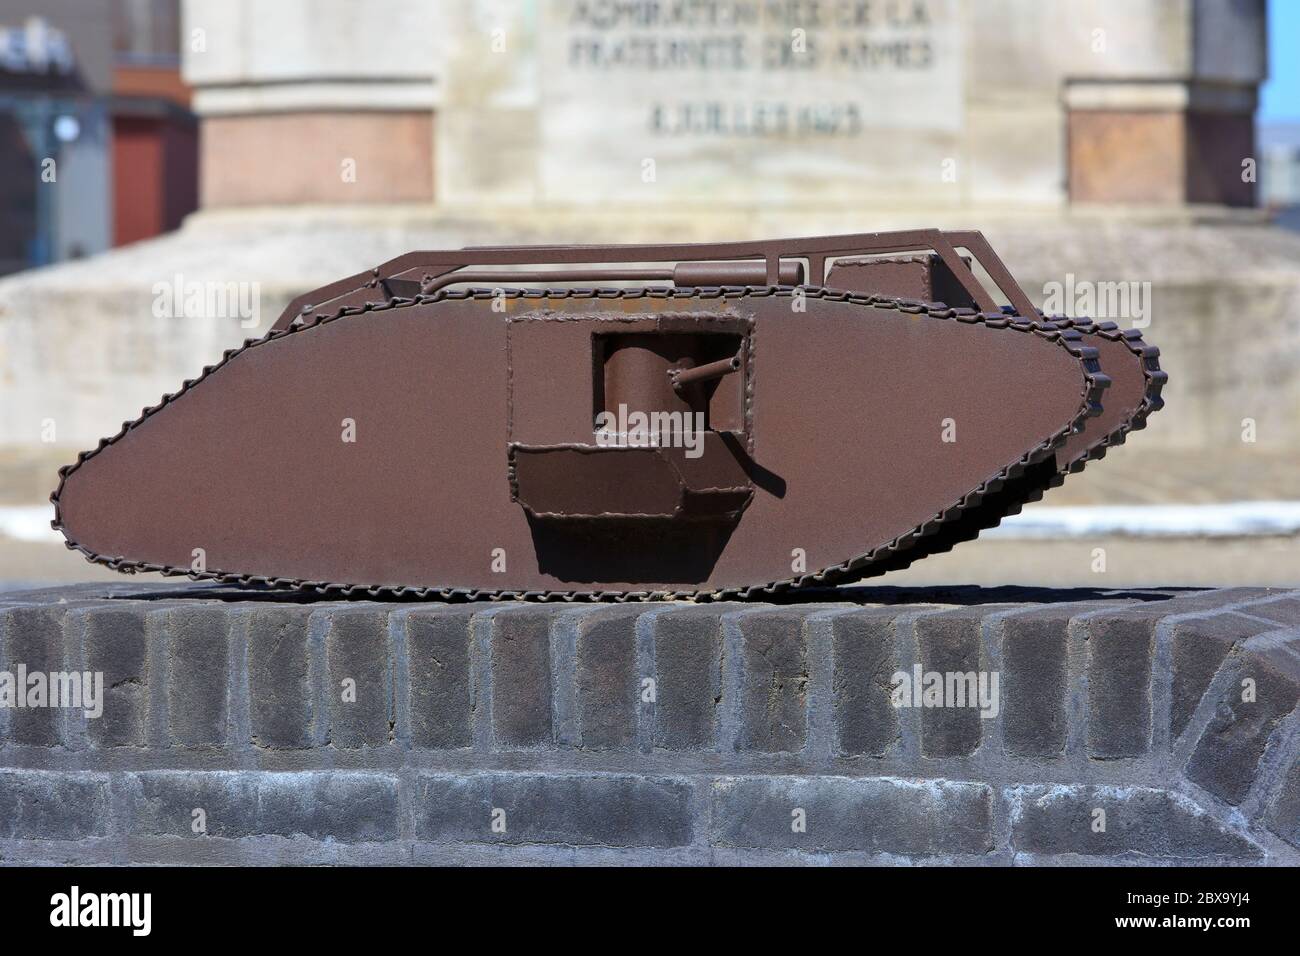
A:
x: 720, y: 430
x: 1134, y: 392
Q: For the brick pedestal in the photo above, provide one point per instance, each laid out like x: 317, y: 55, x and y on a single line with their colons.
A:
x: 1153, y: 726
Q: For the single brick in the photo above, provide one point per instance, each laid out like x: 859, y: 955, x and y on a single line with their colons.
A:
x: 1119, y: 685
x: 59, y: 594
x: 348, y: 806
x: 1284, y: 814
x: 1135, y: 822
x: 688, y: 678
x: 606, y: 683
x: 117, y: 645
x: 774, y: 682
x: 567, y: 809
x: 49, y: 805
x: 198, y: 654
x: 281, y: 709
x: 521, y: 677
x: 866, y: 659
x: 33, y: 644
x: 360, y: 689
x: 1199, y: 648
x: 1035, y: 655
x: 949, y: 644
x: 1210, y: 599
x: 1227, y: 756
x: 1285, y: 612
x: 182, y: 803
x: 825, y: 814
x: 438, y: 645
x: 352, y: 807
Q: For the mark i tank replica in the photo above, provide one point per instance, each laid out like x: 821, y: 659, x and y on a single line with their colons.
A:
x: 726, y: 420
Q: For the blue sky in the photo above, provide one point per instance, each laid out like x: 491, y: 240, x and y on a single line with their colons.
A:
x: 1280, y: 96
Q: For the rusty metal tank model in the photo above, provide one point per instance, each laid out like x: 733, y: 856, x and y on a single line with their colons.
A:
x: 616, y: 422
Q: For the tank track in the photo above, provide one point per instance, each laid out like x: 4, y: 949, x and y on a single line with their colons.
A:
x: 1063, y: 333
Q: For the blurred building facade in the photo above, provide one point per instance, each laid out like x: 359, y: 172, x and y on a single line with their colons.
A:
x: 1280, y: 172
x: 155, y: 135
x: 98, y: 146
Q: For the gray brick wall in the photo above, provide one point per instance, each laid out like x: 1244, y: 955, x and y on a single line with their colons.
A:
x: 1155, y: 727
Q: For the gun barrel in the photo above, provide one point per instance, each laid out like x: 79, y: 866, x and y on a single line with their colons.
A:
x: 702, y: 373
x: 743, y: 272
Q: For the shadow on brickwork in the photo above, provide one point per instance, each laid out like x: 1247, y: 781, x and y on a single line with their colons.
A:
x: 963, y: 595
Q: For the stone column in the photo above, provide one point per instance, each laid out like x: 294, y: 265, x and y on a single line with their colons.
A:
x: 312, y: 102
x: 1171, y: 124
